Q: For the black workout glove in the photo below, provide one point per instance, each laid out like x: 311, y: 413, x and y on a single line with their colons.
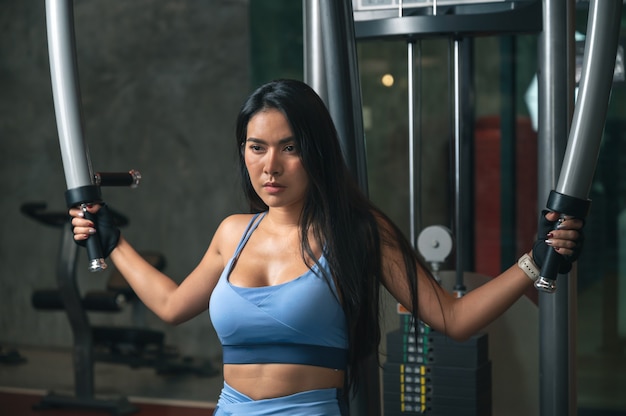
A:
x: 540, y: 248
x: 106, y: 230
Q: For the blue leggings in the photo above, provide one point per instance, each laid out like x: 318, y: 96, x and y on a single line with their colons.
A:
x: 324, y: 402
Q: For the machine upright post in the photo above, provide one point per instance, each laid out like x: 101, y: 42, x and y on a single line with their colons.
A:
x: 343, y: 83
x: 343, y: 98
x: 314, y: 74
x: 557, y: 312
x: 556, y: 100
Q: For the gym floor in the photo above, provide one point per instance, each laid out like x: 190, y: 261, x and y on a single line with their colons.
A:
x: 50, y: 370
x: 23, y: 403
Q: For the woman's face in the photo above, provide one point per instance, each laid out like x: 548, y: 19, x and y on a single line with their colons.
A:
x: 273, y: 161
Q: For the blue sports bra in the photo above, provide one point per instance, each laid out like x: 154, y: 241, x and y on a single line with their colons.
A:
x: 297, y: 322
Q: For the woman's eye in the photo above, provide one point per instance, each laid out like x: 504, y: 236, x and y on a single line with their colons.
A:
x: 290, y: 148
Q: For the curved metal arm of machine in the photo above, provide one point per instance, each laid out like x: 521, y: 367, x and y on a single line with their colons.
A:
x: 581, y: 155
x: 82, y: 188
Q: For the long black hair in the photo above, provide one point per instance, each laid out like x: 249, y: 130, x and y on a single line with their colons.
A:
x: 336, y: 212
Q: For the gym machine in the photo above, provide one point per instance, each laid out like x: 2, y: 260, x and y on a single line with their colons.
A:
x: 331, y: 68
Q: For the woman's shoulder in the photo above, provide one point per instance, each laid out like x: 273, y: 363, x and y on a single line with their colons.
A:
x: 235, y: 222
x: 230, y: 231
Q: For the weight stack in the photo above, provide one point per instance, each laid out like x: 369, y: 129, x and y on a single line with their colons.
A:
x: 430, y: 374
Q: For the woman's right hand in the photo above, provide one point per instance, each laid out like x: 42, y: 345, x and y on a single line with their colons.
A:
x: 81, y: 226
x: 99, y: 223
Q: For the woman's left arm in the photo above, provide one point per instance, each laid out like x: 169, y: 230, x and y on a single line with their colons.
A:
x: 462, y: 317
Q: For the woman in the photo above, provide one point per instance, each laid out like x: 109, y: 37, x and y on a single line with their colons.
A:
x: 293, y: 288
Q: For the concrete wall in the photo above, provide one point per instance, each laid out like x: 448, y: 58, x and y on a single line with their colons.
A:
x: 161, y: 85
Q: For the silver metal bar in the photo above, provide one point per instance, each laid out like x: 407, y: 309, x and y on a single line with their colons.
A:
x: 412, y: 151
x: 459, y: 288
x: 314, y: 67
x: 64, y: 75
x: 593, y: 99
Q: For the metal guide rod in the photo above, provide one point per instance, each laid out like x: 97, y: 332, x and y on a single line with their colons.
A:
x: 459, y: 288
x: 571, y: 194
x: 417, y: 93
x: 413, y: 231
x: 412, y: 151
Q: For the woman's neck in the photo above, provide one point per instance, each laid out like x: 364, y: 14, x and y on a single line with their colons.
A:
x: 282, y: 217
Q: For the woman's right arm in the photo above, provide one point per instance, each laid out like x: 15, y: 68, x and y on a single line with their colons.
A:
x: 172, y: 302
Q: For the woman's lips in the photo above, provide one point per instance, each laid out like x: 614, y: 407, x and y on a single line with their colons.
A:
x: 273, y: 187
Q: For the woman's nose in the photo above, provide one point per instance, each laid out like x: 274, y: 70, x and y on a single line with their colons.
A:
x: 272, y: 163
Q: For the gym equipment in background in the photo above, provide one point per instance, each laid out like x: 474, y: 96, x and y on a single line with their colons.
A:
x: 135, y: 346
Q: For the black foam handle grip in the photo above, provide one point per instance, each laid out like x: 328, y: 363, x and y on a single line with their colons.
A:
x: 94, y: 248
x: 130, y: 178
x: 549, y: 270
x: 566, y: 205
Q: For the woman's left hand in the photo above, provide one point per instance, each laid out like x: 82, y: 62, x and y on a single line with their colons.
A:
x: 566, y: 238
